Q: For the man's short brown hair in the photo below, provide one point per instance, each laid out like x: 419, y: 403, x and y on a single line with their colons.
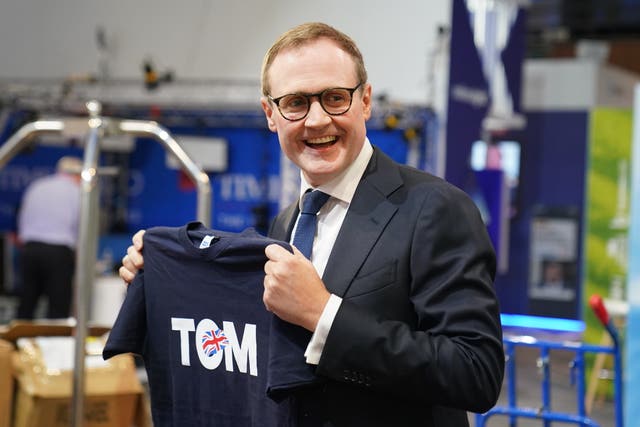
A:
x: 306, y: 33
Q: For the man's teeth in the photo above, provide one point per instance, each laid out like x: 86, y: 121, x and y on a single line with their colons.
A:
x: 322, y: 140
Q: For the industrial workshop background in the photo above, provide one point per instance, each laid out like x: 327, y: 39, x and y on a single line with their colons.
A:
x: 551, y: 86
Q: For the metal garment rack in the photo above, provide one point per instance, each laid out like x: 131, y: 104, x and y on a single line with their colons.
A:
x: 96, y: 127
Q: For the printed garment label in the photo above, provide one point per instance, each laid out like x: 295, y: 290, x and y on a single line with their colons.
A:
x: 206, y: 242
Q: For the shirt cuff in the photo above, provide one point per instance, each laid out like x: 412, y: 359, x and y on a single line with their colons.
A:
x: 316, y: 345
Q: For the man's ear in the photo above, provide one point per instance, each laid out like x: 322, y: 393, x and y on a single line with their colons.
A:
x: 268, y: 112
x: 366, y: 101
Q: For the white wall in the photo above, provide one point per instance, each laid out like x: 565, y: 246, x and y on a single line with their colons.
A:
x: 569, y: 84
x: 209, y: 39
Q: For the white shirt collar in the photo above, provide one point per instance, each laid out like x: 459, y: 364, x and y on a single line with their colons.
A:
x: 343, y: 187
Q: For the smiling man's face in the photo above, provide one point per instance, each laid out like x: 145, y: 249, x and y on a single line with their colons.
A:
x: 322, y: 145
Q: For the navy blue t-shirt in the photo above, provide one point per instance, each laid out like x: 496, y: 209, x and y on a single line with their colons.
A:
x: 196, y: 316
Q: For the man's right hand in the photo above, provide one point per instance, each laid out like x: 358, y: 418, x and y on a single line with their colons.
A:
x: 133, y: 260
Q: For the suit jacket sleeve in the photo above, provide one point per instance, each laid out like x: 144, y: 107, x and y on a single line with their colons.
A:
x: 419, y: 318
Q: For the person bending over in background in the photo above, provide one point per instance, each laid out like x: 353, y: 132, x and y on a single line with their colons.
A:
x: 398, y: 296
x: 48, y: 234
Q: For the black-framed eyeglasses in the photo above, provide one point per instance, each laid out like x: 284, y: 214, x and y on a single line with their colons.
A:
x: 334, y: 101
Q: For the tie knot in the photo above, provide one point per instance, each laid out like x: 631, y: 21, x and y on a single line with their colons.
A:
x: 313, y: 201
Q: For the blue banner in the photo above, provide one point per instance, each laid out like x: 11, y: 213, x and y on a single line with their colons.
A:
x: 468, y: 98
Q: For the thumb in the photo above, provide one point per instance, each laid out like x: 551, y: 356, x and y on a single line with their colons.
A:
x: 137, y: 239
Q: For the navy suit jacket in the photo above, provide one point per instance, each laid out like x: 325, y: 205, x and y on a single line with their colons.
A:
x: 417, y: 340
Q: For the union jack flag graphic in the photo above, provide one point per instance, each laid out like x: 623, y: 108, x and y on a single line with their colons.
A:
x: 214, y: 341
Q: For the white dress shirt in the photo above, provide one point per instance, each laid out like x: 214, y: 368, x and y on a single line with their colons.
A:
x: 330, y: 218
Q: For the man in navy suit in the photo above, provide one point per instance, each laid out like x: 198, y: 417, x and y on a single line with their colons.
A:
x: 397, y: 300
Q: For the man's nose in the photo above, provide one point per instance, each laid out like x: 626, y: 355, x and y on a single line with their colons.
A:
x: 316, y: 116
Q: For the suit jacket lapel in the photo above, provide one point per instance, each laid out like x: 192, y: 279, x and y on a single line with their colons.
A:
x: 283, y: 224
x: 368, y: 214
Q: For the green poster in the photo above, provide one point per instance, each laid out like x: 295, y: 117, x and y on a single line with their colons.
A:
x: 606, y: 215
x: 607, y: 210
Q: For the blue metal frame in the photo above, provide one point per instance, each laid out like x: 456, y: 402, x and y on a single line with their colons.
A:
x: 544, y: 412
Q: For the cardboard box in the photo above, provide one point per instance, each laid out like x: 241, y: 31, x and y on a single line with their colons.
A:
x: 100, y: 411
x: 6, y: 384
x: 41, y: 367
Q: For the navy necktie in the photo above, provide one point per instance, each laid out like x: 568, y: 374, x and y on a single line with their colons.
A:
x: 307, y: 223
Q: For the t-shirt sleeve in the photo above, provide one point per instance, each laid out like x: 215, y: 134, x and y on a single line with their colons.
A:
x: 129, y: 331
